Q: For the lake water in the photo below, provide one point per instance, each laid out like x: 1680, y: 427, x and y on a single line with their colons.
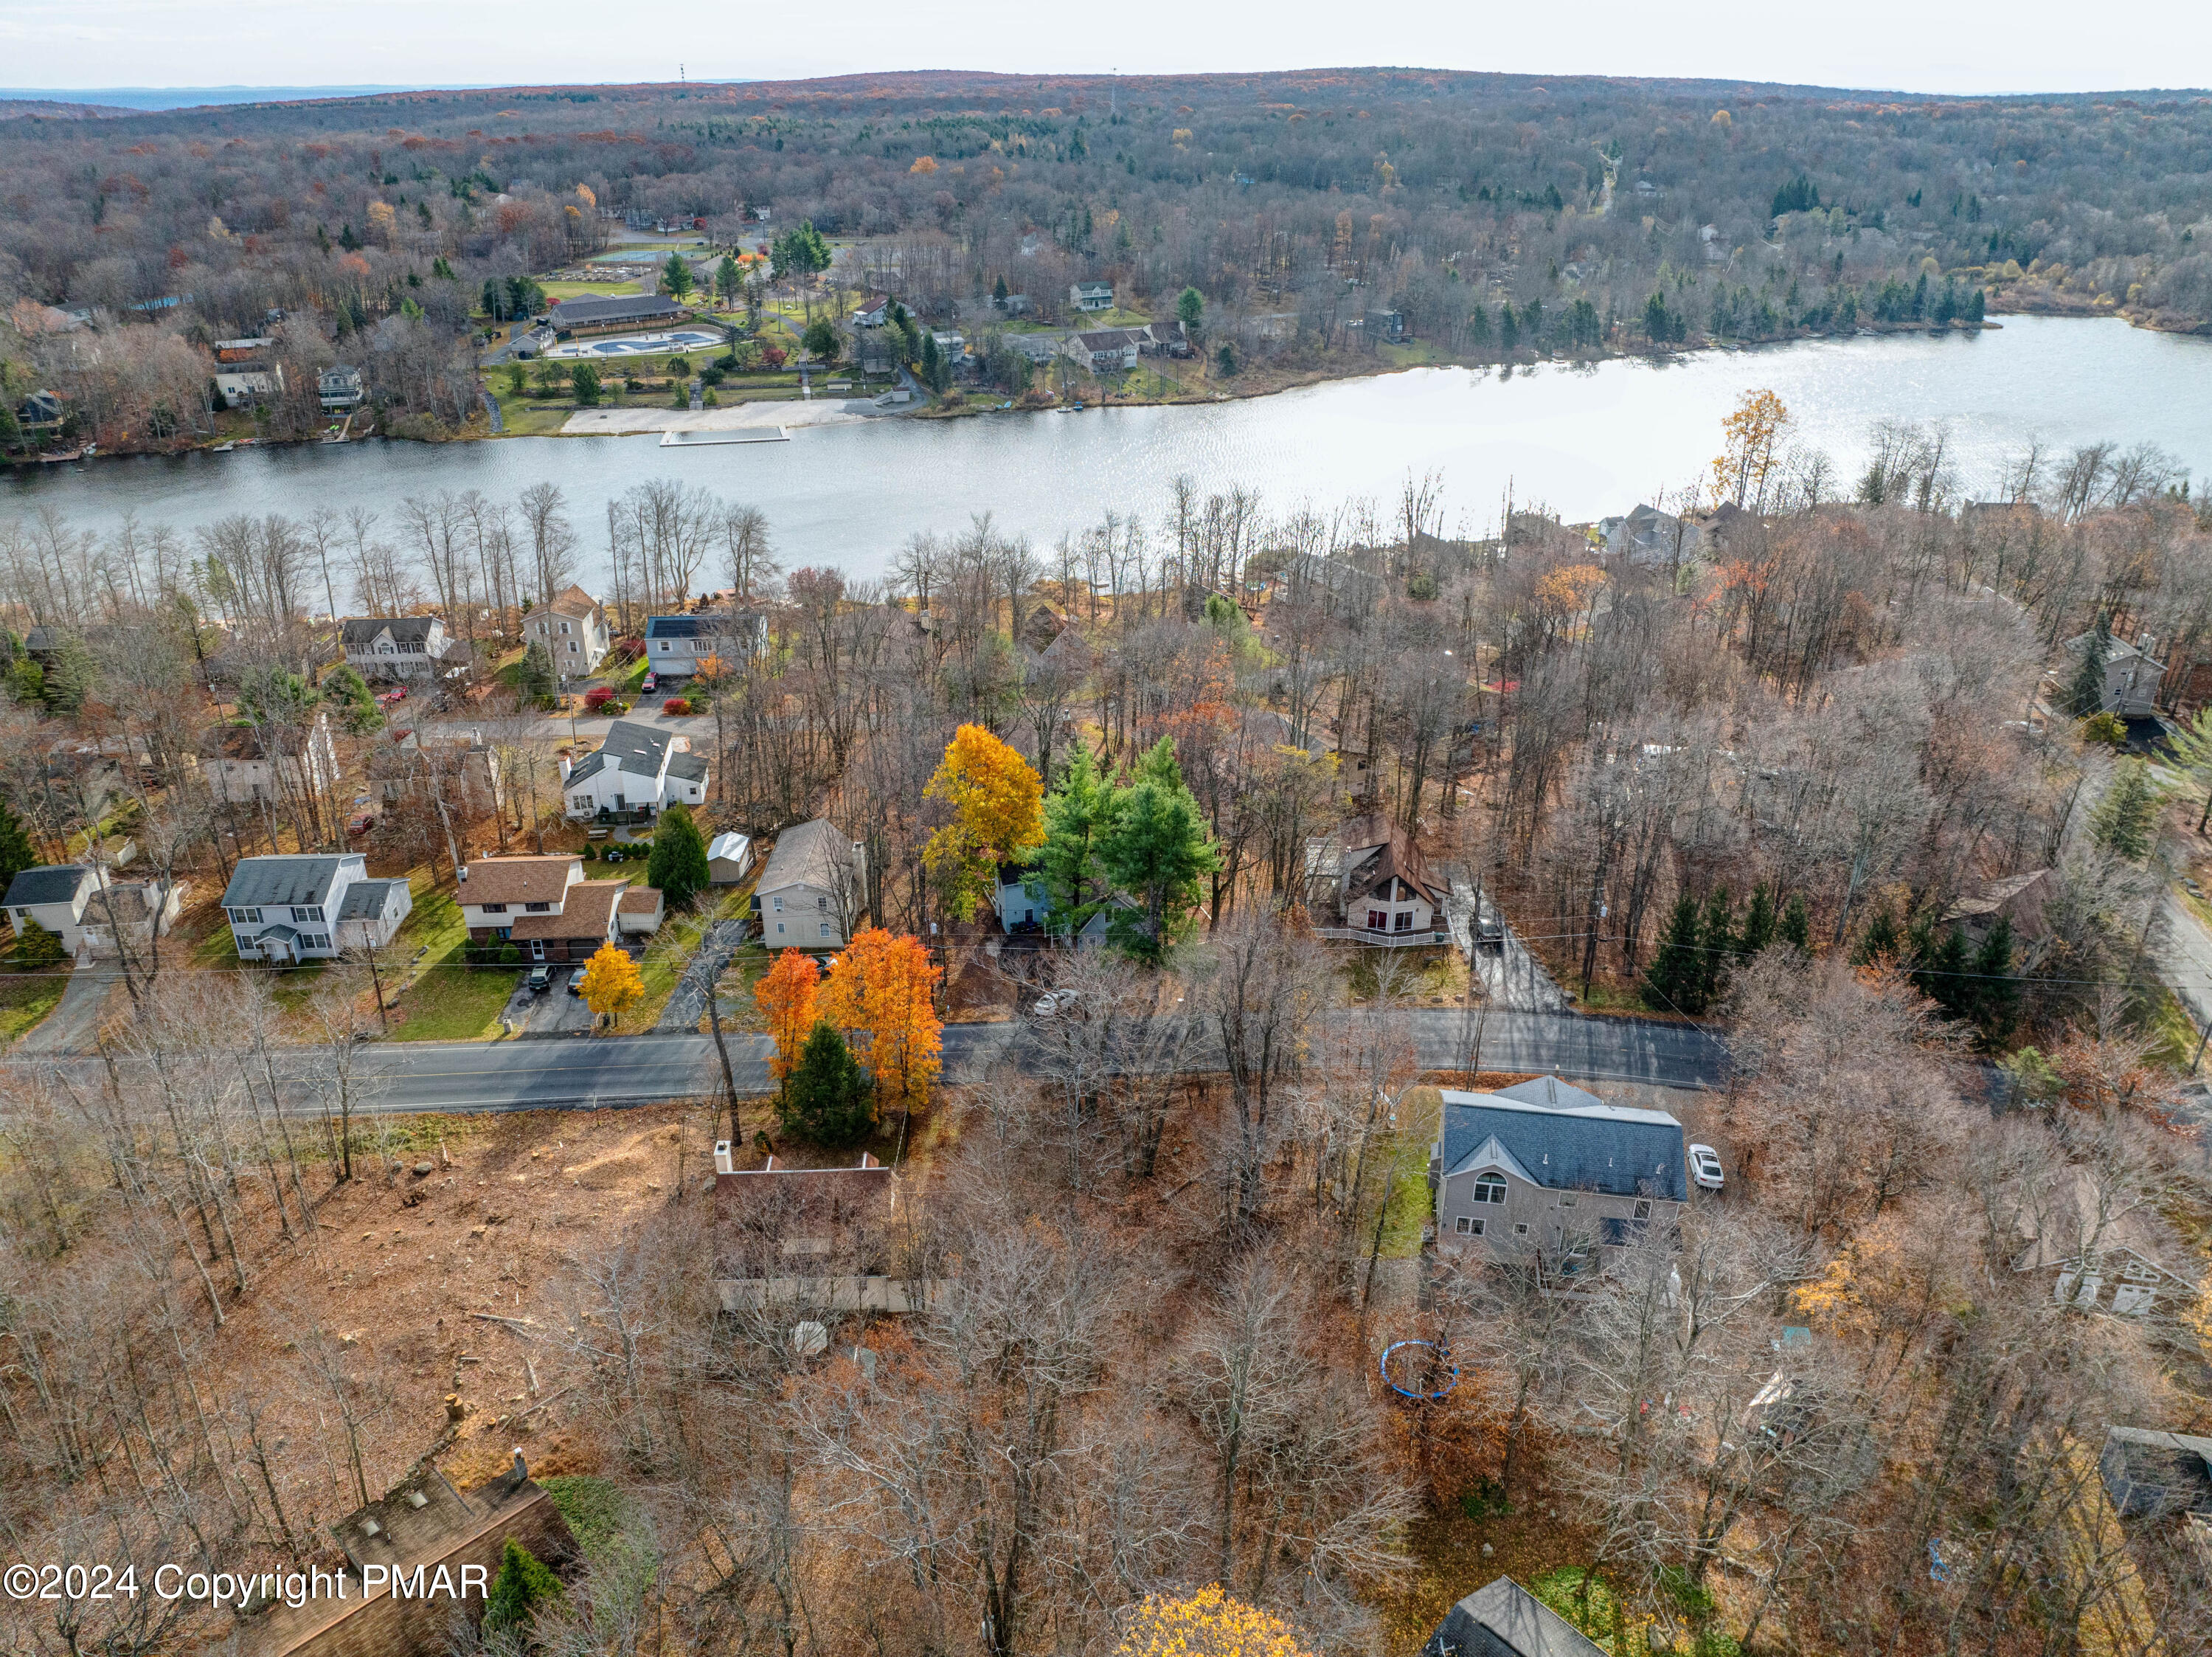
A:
x: 1584, y: 441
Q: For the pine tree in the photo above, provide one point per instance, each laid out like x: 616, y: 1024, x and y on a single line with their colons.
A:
x: 1939, y: 969
x: 2125, y: 821
x: 1882, y: 940
x: 678, y: 864
x: 2086, y: 695
x: 1758, y: 923
x: 1996, y: 990
x: 826, y: 1098
x: 1716, y: 944
x: 1796, y: 928
x: 1158, y: 851
x: 1673, y: 978
x: 16, y: 852
x: 1078, y: 814
x: 519, y: 1588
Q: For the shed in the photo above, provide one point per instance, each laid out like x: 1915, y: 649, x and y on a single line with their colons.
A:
x: 729, y: 858
x: 641, y: 911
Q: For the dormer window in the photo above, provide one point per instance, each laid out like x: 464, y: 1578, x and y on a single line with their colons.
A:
x: 1490, y: 1188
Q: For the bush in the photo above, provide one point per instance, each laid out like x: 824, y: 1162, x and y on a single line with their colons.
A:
x: 37, y: 947
x: 598, y: 697
x: 677, y: 865
x: 521, y: 1585
x: 828, y: 1097
x: 676, y: 705
x: 509, y: 955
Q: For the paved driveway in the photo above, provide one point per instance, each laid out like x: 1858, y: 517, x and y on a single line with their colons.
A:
x: 71, y: 1026
x: 688, y: 1005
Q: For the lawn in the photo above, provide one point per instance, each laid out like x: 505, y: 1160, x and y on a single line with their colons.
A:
x: 453, y: 1002
x: 24, y: 1000
x: 672, y: 948
x: 585, y: 290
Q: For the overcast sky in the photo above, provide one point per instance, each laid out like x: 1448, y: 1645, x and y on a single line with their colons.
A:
x: 1904, y: 44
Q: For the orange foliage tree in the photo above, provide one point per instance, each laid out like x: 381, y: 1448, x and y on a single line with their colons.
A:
x: 786, y: 998
x: 1208, y: 1623
x: 998, y: 816
x: 881, y: 987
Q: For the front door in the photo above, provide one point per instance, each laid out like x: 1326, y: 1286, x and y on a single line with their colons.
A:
x: 538, y: 949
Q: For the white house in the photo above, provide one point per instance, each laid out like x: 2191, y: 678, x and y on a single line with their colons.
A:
x: 729, y: 858
x: 1092, y: 295
x: 574, y: 630
x: 1106, y: 350
x: 1544, y: 1165
x: 288, y: 909
x: 674, y: 645
x: 636, y: 768
x: 249, y: 381
x: 87, y: 912
x: 1369, y: 882
x: 339, y: 388
x: 809, y: 894
x: 54, y: 896
x: 395, y: 647
x: 243, y: 764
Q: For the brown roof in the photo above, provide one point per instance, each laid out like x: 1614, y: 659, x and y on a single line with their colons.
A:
x: 589, y: 913
x: 641, y: 900
x: 519, y: 879
x: 1377, y: 851
x: 574, y: 602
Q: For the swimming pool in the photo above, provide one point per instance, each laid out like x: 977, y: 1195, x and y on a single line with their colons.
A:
x: 636, y: 345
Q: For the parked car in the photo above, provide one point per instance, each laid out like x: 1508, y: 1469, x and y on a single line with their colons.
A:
x: 1054, y: 1003
x: 1706, y: 1167
x: 540, y: 980
x: 652, y: 683
x: 576, y: 985
x: 825, y: 962
x: 1489, y: 925
x: 361, y: 822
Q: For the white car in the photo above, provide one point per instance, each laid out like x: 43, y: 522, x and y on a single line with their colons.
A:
x: 1706, y: 1167
x: 1053, y: 1001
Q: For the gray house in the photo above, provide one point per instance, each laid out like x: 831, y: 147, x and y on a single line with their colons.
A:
x: 395, y: 647
x: 2132, y: 674
x: 1503, y: 1619
x: 674, y: 645
x: 1544, y: 1164
x: 286, y: 909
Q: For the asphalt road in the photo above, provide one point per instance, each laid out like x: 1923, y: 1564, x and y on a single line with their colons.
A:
x: 585, y: 1072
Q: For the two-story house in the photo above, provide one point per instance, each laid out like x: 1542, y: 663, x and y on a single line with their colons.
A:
x: 1106, y: 350
x: 1547, y: 1166
x: 808, y: 897
x: 637, y: 770
x: 1370, y: 883
x: 574, y: 630
x: 338, y: 388
x: 1090, y: 295
x: 2132, y: 673
x: 395, y: 647
x: 285, y: 909
x: 89, y: 910
x: 252, y: 380
x: 674, y: 645
x: 244, y: 763
x: 54, y: 896
x: 542, y: 905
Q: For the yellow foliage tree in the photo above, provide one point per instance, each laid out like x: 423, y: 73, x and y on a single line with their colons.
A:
x: 611, y: 982
x: 1751, y: 451
x: 998, y: 816
x: 787, y: 996
x: 881, y: 987
x: 1208, y: 1623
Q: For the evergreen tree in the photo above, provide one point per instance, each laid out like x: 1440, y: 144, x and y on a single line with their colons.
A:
x: 1673, y: 979
x: 536, y: 679
x: 1716, y: 944
x: 519, y: 1588
x: 584, y: 380
x: 1158, y: 851
x: 69, y: 674
x: 1509, y: 330
x: 1941, y: 968
x: 36, y: 947
x: 828, y: 1097
x: 1796, y: 928
x: 1996, y: 990
x: 16, y: 852
x: 1477, y: 326
x: 678, y: 864
x: 1078, y: 814
x: 1881, y: 942
x: 1977, y: 305
x: 1190, y: 310
x: 999, y: 293
x: 2125, y: 821
x: 2086, y: 695
x: 1758, y: 923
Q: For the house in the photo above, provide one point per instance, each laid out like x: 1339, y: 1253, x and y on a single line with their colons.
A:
x: 1018, y: 899
x: 616, y: 311
x: 242, y: 350
x: 1647, y: 536
x: 54, y: 895
x: 1016, y: 304
x: 2090, y: 1237
x: 952, y: 344
x: 285, y: 909
x: 874, y: 311
x: 526, y: 343
x: 2150, y: 1474
x: 641, y: 911
x: 40, y: 411
x: 418, y: 1562
x: 463, y: 772
x: 674, y: 645
x: 1105, y: 351
x: 338, y: 387
x: 1503, y: 1619
x: 1546, y: 1166
x: 874, y: 353
x: 2017, y: 899
x: 574, y: 630
x: 1385, y: 328
x: 542, y: 905
x: 809, y: 894
x: 371, y: 912
x: 1373, y: 885
x: 253, y: 381
x: 395, y: 647
x: 729, y: 858
x: 1037, y: 348
x: 1168, y: 338
x: 2132, y: 674
x: 243, y: 764
x: 1091, y: 296
x: 834, y: 1237
x: 637, y: 769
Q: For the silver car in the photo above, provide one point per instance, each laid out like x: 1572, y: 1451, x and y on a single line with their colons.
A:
x: 1706, y: 1167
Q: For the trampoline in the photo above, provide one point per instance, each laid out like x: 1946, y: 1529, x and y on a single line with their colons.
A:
x: 1420, y: 1370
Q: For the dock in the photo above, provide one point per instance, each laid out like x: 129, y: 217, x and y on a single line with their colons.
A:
x: 700, y: 439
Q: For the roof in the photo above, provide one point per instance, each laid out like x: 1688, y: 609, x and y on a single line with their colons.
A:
x: 2148, y: 1473
x: 730, y: 844
x: 617, y: 307
x: 711, y: 624
x: 1565, y: 1139
x: 405, y: 630
x: 50, y: 883
x: 2019, y: 897
x: 1106, y: 340
x: 1503, y: 1619
x: 638, y: 749
x: 813, y: 854
x: 365, y: 900
x: 574, y: 602
x: 689, y: 767
x: 589, y: 912
x: 520, y: 880
x: 1094, y: 287
x: 1377, y: 851
x: 280, y: 881
x: 641, y: 900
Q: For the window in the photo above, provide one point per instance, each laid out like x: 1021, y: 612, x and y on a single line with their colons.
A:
x: 825, y: 929
x: 493, y: 908
x: 1403, y: 920
x: 778, y: 902
x: 564, y: 627
x: 307, y: 914
x: 1644, y: 1207
x: 1490, y: 1188
x: 1476, y: 1227
x: 248, y: 916
x: 538, y: 909
x: 779, y: 929
x: 22, y: 915
x: 1464, y: 1226
x: 821, y: 903
x: 1521, y: 1229
x: 1376, y: 920
x: 582, y: 802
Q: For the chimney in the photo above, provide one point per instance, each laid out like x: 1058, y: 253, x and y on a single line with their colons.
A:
x: 722, y: 1157
x: 567, y: 765
x: 461, y: 874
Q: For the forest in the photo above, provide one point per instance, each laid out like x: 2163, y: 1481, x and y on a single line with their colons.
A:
x: 1499, y: 215
x: 1153, y: 1370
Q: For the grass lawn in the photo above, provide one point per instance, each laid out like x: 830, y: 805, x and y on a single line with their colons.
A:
x: 452, y: 1002
x: 25, y: 1001
x: 1116, y: 318
x: 672, y: 948
x: 585, y: 290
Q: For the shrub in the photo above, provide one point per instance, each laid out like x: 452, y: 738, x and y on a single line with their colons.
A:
x: 598, y: 697
x: 676, y: 705
x: 677, y: 865
x: 521, y: 1585
x: 37, y: 947
x: 508, y: 955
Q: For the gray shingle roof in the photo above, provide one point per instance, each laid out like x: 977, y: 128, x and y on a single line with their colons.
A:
x: 1503, y: 1619
x: 405, y: 630
x: 689, y: 766
x: 640, y: 748
x: 813, y: 854
x: 591, y: 313
x: 52, y: 883
x: 1578, y: 1143
x: 587, y: 768
x: 365, y: 900
x: 260, y: 881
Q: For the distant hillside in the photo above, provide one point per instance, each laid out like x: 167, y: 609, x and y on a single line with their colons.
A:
x: 14, y: 109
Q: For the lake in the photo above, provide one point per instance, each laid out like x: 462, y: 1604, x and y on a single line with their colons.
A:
x: 1583, y: 441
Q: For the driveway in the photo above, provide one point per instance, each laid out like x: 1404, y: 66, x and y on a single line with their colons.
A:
x: 71, y: 1026
x: 688, y: 1004
x: 555, y: 1012
x: 1512, y: 978
x: 2183, y: 950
